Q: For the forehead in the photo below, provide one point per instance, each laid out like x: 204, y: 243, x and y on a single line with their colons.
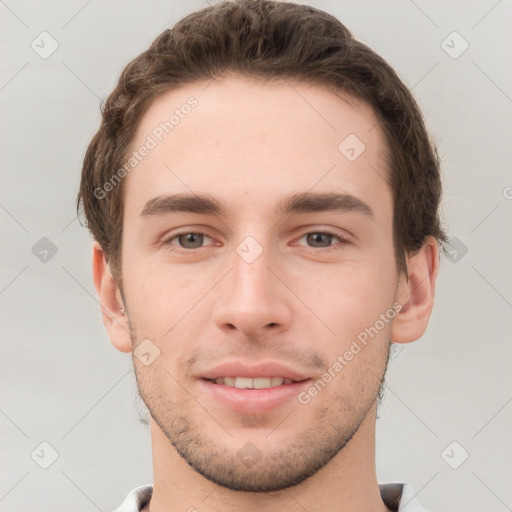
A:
x: 250, y: 141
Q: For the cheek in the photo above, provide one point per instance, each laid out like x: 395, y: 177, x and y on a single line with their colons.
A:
x: 348, y: 298
x: 159, y: 295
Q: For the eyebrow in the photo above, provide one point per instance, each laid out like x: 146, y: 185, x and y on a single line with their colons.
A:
x: 304, y: 202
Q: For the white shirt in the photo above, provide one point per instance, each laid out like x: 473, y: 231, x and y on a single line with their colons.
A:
x: 397, y: 497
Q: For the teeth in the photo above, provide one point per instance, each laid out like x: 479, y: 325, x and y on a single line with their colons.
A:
x: 276, y: 381
x: 244, y: 383
x: 229, y: 381
x: 262, y: 382
x: 250, y: 383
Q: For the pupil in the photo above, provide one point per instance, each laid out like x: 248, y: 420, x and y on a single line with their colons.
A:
x: 324, y: 239
x: 191, y: 240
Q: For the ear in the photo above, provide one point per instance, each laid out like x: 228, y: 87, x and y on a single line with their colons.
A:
x: 114, y: 320
x: 416, y: 293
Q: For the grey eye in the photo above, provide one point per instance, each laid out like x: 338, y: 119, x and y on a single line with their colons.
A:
x: 191, y: 240
x: 319, y: 239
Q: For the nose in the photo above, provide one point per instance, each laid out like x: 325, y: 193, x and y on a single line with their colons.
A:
x: 252, y: 300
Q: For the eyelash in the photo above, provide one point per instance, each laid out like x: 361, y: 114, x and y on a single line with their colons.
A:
x: 341, y: 240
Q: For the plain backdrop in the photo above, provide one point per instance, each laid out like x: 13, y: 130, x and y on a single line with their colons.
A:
x: 445, y: 421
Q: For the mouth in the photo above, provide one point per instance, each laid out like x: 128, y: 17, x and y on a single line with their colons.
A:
x: 249, y: 387
x: 258, y: 395
x: 252, y: 383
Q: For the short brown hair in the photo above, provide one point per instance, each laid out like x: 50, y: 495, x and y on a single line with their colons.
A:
x: 267, y: 39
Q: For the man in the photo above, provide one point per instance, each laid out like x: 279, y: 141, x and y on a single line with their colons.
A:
x: 264, y: 201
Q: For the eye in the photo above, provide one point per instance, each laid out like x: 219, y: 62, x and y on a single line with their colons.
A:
x: 323, y: 239
x: 189, y: 240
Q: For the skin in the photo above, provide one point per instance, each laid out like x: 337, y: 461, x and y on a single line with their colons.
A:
x: 303, y: 301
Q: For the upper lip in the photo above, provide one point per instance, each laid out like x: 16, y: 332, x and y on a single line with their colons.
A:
x: 261, y: 369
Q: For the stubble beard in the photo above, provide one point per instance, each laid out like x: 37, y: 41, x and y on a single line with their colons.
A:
x: 220, y: 460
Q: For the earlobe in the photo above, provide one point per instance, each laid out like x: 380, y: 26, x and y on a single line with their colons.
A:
x: 112, y: 307
x: 416, y: 294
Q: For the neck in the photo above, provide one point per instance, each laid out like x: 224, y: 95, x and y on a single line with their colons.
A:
x: 347, y: 483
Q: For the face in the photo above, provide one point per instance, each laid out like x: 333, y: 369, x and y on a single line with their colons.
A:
x: 258, y: 252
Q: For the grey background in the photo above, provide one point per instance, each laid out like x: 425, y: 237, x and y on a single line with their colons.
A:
x: 61, y: 380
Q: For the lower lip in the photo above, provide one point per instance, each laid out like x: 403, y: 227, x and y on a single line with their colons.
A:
x: 253, y: 401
